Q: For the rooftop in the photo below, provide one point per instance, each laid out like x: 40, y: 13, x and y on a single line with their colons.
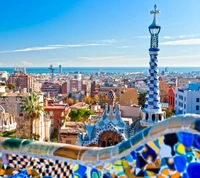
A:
x: 73, y: 128
x: 78, y: 105
x: 56, y: 106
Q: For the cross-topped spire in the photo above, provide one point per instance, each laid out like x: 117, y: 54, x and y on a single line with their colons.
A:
x: 155, y: 12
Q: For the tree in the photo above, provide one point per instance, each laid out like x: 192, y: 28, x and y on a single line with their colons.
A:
x: 142, y: 99
x: 103, y: 98
x: 88, y: 100
x: 12, y: 86
x: 32, y: 110
x: 70, y: 101
x: 80, y: 115
x: 96, y: 99
x: 169, y: 112
x: 2, y: 84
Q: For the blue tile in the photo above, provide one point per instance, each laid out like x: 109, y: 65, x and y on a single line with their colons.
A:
x: 180, y: 163
x: 186, y: 139
x: 193, y: 170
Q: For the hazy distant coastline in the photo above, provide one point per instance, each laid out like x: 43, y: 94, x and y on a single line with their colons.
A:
x: 40, y: 70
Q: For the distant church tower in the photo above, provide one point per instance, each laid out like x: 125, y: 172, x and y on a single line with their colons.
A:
x: 152, y: 111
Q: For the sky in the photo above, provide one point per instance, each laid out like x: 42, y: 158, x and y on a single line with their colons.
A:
x: 97, y: 33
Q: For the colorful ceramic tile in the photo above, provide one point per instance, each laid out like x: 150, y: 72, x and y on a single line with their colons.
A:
x: 169, y: 154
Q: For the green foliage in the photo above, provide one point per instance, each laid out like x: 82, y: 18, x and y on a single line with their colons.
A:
x: 36, y: 136
x: 142, y: 99
x: 7, y: 90
x: 2, y: 84
x: 54, y: 136
x: 10, y: 134
x: 169, y: 112
x: 79, y: 115
x: 32, y: 109
x: 12, y: 86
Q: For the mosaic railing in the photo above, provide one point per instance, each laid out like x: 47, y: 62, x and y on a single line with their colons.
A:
x: 169, y: 149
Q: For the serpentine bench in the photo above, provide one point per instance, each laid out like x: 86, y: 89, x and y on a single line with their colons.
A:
x: 168, y: 149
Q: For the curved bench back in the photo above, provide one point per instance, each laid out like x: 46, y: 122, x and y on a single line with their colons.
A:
x: 169, y: 148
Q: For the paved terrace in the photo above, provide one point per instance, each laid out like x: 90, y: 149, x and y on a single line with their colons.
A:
x: 169, y: 149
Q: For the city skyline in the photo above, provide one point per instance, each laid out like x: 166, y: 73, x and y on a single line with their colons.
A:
x: 97, y: 34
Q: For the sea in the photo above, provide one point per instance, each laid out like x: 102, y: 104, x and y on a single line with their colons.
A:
x: 42, y: 70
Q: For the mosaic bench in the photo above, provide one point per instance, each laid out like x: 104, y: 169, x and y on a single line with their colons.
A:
x: 168, y: 149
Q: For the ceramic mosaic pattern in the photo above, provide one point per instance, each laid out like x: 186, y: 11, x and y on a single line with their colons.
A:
x: 168, y: 149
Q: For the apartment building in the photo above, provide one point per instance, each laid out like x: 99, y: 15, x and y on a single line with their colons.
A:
x: 187, y: 100
x: 183, y: 82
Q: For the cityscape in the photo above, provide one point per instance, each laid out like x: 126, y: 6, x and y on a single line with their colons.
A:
x: 104, y: 108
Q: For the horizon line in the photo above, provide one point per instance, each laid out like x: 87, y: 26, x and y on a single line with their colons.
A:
x: 98, y: 66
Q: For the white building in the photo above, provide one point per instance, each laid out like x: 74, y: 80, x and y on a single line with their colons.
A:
x: 2, y: 89
x: 187, y: 100
x: 3, y: 76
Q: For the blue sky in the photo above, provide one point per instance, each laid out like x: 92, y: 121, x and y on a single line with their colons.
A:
x: 97, y: 33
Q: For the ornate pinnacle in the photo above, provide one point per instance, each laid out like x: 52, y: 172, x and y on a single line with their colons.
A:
x: 155, y: 12
x: 154, y: 28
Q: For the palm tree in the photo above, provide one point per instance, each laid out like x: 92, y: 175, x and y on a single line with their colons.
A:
x: 32, y: 109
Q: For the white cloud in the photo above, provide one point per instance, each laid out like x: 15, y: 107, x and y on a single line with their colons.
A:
x: 171, y: 37
x: 123, y: 47
x: 117, y: 61
x: 180, y: 57
x: 168, y: 37
x: 57, y: 46
x: 103, y: 58
x: 107, y: 41
x: 26, y: 63
x: 130, y: 61
x: 142, y: 37
x: 182, y: 42
x: 181, y: 36
x: 114, y: 61
x: 180, y: 61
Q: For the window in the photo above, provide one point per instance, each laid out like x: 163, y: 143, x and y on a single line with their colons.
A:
x: 197, y: 100
x: 197, y: 107
x: 184, y: 106
x: 180, y: 97
x: 153, y: 117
